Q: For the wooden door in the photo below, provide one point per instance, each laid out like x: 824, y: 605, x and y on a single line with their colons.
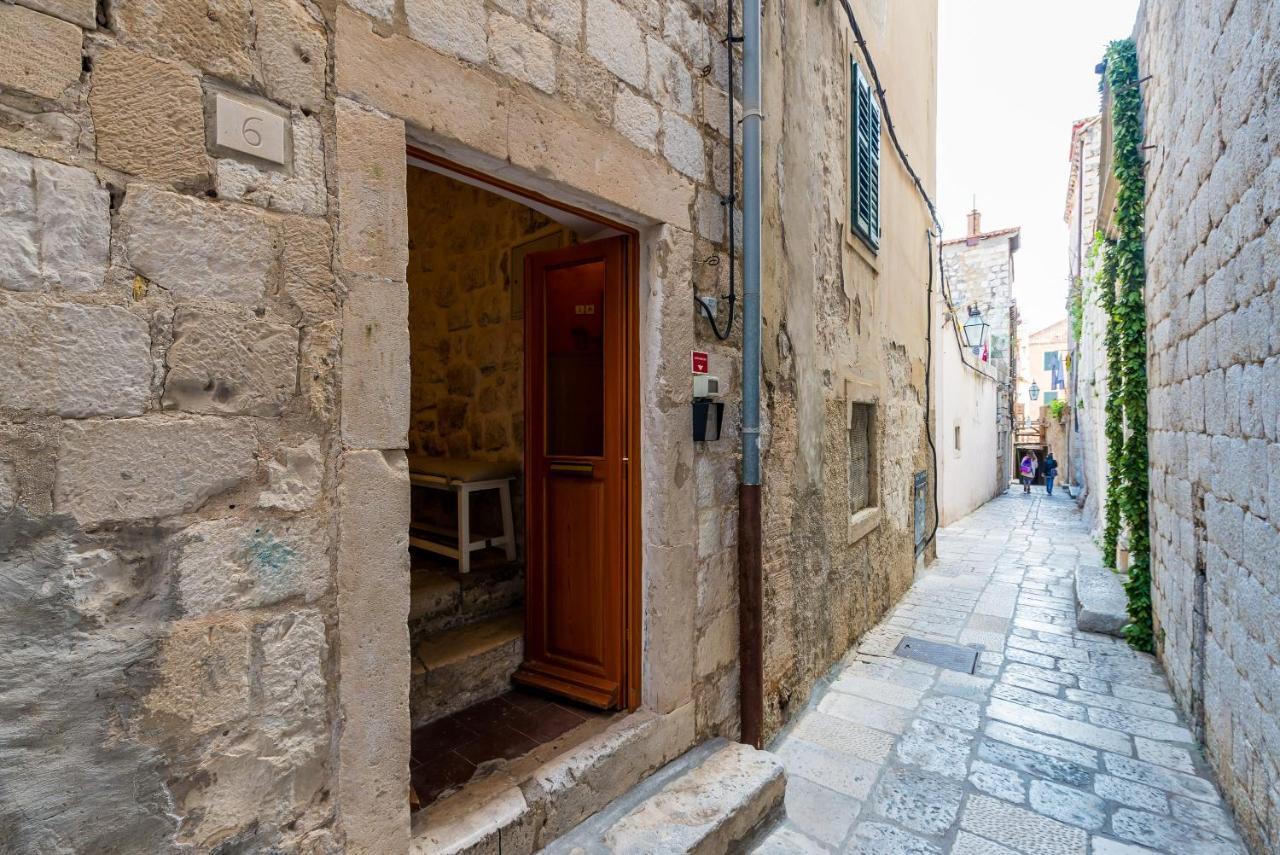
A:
x: 576, y: 352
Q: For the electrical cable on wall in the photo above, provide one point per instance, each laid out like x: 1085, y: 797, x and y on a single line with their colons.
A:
x: 729, y: 200
x: 933, y: 215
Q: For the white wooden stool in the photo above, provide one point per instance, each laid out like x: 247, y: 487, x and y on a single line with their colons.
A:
x: 463, y: 477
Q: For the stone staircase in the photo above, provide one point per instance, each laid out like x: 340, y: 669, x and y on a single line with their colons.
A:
x: 466, y: 634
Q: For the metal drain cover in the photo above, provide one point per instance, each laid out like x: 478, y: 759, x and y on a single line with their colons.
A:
x: 952, y: 656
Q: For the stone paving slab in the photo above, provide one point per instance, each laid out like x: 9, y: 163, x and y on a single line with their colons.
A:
x: 1063, y: 742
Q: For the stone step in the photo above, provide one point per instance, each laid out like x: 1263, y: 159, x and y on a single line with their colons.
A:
x: 441, y: 599
x: 528, y: 803
x: 707, y: 801
x: 454, y: 669
x: 1101, y: 603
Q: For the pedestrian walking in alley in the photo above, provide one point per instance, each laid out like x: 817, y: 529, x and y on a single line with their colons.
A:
x: 1050, y: 473
x: 1027, y: 469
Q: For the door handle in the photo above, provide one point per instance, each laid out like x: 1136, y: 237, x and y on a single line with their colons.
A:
x: 573, y: 468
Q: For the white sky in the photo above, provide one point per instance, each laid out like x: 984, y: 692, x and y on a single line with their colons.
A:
x: 1013, y: 75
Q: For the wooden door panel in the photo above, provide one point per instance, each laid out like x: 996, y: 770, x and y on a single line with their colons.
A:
x: 576, y: 428
x: 577, y: 561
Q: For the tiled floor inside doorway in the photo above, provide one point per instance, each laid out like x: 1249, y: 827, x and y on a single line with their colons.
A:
x: 449, y: 751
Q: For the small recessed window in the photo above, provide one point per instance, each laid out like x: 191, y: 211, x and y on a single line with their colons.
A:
x: 860, y: 471
x: 864, y: 151
x: 957, y: 437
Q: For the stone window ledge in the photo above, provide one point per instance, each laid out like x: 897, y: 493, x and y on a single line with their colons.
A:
x: 863, y: 523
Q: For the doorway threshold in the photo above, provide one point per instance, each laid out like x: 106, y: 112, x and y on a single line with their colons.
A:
x: 522, y: 805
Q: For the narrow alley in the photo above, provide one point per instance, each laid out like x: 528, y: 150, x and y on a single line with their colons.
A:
x: 1059, y: 742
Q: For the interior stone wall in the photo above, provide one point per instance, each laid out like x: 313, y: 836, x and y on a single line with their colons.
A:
x: 466, y: 333
x: 1213, y: 299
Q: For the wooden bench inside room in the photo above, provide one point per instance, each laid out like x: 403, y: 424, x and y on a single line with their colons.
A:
x: 463, y: 478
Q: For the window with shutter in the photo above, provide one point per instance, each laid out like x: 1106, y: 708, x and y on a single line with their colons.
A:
x: 865, y: 159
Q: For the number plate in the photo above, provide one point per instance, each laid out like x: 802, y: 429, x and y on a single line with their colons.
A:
x: 248, y: 128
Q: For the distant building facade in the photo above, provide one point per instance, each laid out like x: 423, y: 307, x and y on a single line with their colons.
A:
x: 978, y: 272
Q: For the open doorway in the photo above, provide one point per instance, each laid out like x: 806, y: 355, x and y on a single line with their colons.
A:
x: 522, y: 409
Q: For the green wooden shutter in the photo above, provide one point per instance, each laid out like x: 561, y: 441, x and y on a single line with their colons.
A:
x: 865, y: 155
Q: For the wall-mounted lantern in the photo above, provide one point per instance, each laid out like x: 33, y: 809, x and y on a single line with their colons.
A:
x: 1034, y: 391
x: 975, y: 329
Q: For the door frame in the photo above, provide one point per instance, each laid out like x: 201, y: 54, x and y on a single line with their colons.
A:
x: 633, y: 580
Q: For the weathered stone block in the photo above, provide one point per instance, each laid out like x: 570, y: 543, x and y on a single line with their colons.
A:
x: 147, y: 116
x: 375, y: 365
x: 373, y: 650
x: 204, y: 668
x: 197, y: 248
x: 615, y: 39
x: 230, y: 363
x: 149, y: 468
x: 585, y: 84
x: 73, y: 217
x: 373, y: 230
x: 300, y: 190
x: 214, y: 35
x: 294, y: 478
x: 39, y: 54
x: 669, y: 80
x: 560, y: 19
x: 306, y: 258
x: 455, y: 27
x: 1101, y: 604
x: 75, y: 361
x: 682, y: 146
x: 637, y: 119
x: 245, y: 564
x: 81, y: 12
x: 293, y: 52
x: 522, y: 52
x: 19, y: 257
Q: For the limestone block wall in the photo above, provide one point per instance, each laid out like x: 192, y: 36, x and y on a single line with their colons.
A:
x: 1213, y: 190
x: 168, y: 326
x: 1089, y: 441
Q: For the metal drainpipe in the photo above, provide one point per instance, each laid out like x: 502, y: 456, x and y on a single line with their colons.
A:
x: 750, y: 602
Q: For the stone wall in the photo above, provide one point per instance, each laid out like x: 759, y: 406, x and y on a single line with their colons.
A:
x: 979, y: 272
x: 168, y: 323
x: 1213, y: 234
x: 203, y: 491
x: 466, y: 335
x: 842, y: 325
x: 1089, y: 355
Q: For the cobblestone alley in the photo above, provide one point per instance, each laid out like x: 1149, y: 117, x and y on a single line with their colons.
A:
x: 1061, y: 742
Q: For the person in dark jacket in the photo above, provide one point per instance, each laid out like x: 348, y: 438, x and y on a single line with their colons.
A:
x: 1050, y: 473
